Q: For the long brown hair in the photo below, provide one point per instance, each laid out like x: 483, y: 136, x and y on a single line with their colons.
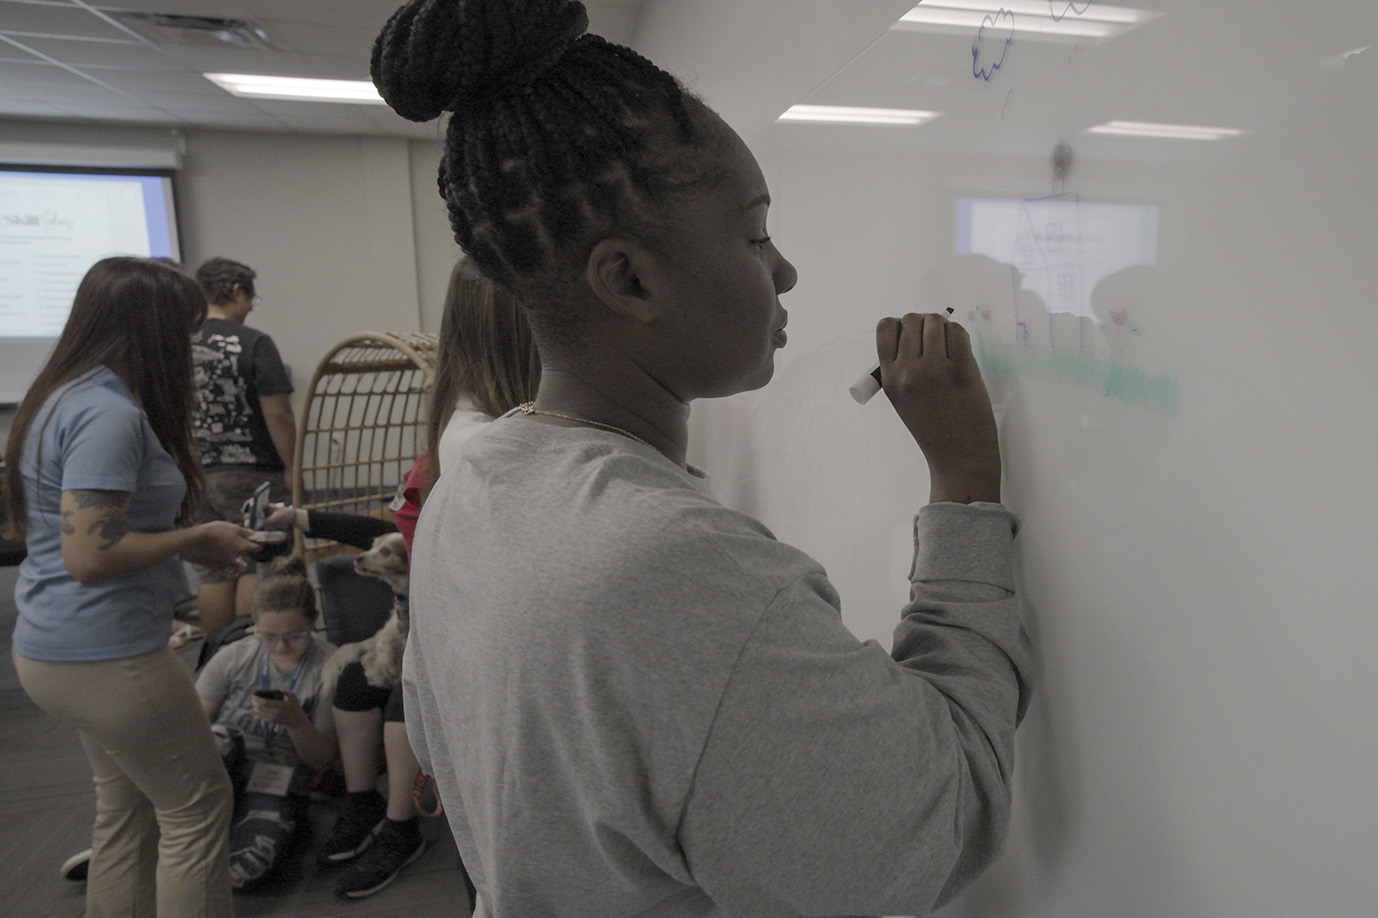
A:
x: 135, y: 316
x: 485, y: 352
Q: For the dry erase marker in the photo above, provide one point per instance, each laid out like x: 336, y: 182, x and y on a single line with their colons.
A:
x: 865, y: 388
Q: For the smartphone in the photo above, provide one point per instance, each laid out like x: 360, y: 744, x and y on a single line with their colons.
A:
x: 267, y: 536
x: 256, y: 507
x: 271, y: 694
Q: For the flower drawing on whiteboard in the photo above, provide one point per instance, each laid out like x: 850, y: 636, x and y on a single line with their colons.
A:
x: 1068, y: 6
x: 1119, y: 331
x: 992, y: 44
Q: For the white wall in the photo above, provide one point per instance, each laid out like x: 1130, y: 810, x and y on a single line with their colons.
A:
x: 436, y: 249
x: 327, y: 222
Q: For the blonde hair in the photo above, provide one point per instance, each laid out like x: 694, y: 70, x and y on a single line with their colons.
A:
x: 485, y: 352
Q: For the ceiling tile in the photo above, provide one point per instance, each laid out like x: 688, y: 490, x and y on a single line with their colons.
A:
x: 57, y: 21
x: 38, y: 75
x: 94, y: 102
x: 219, y: 9
x: 315, y: 38
x: 328, y: 12
x: 339, y: 66
x: 139, y: 82
x: 236, y: 60
x: 79, y: 53
x: 191, y: 103
x: 24, y: 108
x: 11, y: 51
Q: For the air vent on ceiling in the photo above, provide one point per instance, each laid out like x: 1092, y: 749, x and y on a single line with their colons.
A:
x: 202, y: 31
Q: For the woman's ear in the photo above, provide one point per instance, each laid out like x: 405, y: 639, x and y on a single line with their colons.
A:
x: 621, y: 273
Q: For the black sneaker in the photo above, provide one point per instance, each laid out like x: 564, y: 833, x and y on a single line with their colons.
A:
x: 355, y: 830
x: 378, y: 866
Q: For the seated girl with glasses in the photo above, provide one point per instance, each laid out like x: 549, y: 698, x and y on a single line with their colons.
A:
x: 270, y: 712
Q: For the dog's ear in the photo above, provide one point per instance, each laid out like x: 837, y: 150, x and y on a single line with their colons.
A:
x: 398, y: 547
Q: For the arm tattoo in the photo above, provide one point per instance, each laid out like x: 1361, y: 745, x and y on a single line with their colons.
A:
x: 112, y: 508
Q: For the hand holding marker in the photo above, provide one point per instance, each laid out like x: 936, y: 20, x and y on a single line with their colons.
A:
x: 935, y: 386
x: 865, y: 388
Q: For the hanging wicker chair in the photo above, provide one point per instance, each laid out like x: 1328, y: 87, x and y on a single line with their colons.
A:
x: 363, y: 425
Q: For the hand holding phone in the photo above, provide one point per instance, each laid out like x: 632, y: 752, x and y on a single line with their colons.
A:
x: 256, y: 507
x: 271, y: 694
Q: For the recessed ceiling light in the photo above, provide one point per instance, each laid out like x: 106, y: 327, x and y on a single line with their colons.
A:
x: 1164, y: 131
x: 256, y: 86
x: 1033, y: 19
x: 842, y: 114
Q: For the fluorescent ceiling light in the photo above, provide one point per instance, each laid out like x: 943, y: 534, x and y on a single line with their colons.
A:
x: 254, y: 86
x: 1033, y: 19
x: 1164, y: 131
x: 841, y: 114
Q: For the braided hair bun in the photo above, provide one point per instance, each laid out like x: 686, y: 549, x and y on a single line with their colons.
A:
x: 559, y: 138
x: 435, y: 56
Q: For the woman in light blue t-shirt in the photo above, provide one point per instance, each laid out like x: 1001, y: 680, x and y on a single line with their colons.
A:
x: 100, y: 469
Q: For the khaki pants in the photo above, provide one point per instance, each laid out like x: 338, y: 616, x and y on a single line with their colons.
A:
x: 160, y: 846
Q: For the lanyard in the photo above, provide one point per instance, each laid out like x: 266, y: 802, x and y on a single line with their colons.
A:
x: 291, y: 686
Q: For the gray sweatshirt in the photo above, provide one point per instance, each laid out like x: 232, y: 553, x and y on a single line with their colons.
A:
x: 637, y: 702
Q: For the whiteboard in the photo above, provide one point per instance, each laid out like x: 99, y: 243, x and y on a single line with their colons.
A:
x: 1181, y: 339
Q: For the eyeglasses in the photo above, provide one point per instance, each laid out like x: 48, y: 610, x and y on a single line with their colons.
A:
x: 295, y: 638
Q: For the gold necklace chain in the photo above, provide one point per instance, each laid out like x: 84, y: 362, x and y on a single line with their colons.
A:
x: 530, y: 408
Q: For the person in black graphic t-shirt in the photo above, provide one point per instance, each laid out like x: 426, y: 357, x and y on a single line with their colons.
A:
x: 246, y: 432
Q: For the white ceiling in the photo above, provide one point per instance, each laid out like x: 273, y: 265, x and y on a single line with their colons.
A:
x: 86, y: 61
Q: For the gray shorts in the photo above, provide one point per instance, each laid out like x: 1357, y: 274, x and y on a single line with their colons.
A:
x: 227, y: 487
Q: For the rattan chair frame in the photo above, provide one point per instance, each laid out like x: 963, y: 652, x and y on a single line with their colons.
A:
x: 363, y: 425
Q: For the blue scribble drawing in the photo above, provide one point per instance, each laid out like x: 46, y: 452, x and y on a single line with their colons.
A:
x: 1001, y: 25
x: 1068, y: 6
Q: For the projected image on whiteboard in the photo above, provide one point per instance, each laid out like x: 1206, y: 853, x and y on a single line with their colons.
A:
x: 1062, y: 246
x: 53, y: 226
x: 1080, y: 292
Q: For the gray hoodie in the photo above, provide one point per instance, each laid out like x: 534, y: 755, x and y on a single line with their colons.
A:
x: 636, y: 701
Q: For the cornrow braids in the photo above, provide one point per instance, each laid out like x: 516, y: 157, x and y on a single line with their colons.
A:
x: 557, y: 138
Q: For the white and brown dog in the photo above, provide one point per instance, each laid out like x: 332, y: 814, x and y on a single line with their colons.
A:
x: 381, y: 654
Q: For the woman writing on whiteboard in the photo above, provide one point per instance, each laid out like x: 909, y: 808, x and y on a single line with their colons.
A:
x: 634, y: 700
x: 99, y: 471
